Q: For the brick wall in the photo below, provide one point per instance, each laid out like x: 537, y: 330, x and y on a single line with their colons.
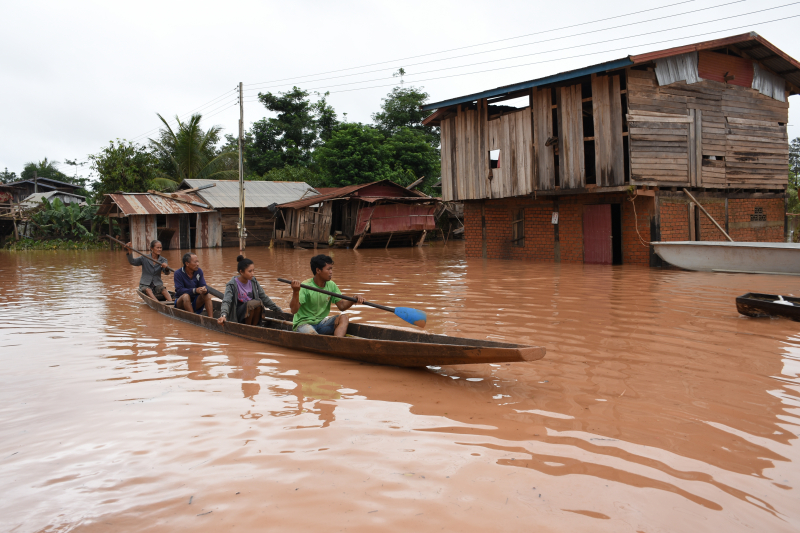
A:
x: 539, y: 244
x: 708, y: 231
x: 633, y: 250
x: 674, y: 218
x: 756, y: 219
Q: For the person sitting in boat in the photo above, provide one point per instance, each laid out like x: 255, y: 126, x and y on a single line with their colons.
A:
x: 311, y: 308
x: 150, y: 283
x: 191, y: 290
x: 244, y: 299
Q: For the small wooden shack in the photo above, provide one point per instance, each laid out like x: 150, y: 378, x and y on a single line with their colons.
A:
x: 181, y: 221
x: 381, y: 213
x: 591, y: 166
x: 223, y: 197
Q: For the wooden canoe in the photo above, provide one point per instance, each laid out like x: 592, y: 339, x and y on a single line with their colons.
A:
x: 370, y: 344
x: 757, y: 304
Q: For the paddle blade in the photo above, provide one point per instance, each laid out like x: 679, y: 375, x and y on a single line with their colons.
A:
x: 412, y: 316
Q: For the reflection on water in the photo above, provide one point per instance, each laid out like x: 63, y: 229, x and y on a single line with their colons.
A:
x: 657, y: 407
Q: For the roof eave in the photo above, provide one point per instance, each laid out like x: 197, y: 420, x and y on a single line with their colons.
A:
x: 555, y: 78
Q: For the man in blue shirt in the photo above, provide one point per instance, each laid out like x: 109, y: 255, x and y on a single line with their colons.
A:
x: 191, y: 292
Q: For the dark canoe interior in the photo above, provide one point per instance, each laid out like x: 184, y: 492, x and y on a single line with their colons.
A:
x: 283, y: 321
x: 755, y: 304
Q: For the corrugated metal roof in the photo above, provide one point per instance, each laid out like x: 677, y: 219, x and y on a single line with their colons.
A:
x: 343, y: 192
x: 66, y: 197
x: 225, y: 193
x: 751, y: 44
x: 151, y: 204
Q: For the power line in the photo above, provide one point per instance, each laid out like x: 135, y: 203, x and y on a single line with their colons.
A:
x: 565, y: 48
x: 210, y: 102
x: 571, y: 57
x: 475, y: 45
x: 548, y: 40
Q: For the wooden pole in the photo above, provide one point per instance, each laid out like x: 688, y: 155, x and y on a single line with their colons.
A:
x: 389, y: 240
x: 706, y: 214
x: 242, y: 230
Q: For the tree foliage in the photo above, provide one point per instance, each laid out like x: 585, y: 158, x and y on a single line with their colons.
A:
x: 190, y: 152
x: 290, y: 138
x: 354, y: 154
x: 124, y: 166
x: 61, y: 220
x: 7, y: 177
x: 401, y: 109
x: 295, y: 173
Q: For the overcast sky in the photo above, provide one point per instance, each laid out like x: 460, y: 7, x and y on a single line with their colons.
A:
x: 75, y: 75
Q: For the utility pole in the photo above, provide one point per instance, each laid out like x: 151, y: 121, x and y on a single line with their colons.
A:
x: 35, y: 182
x: 242, y: 229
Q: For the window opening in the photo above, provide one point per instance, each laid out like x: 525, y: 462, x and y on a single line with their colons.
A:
x: 518, y: 228
x: 494, y: 158
x: 616, y: 234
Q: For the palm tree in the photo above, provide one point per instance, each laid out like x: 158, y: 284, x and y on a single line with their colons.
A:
x: 192, y: 153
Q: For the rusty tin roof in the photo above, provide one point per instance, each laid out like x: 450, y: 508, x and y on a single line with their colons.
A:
x: 151, y: 204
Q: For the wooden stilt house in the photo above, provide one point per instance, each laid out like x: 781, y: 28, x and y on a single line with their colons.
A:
x: 591, y: 166
x: 371, y: 214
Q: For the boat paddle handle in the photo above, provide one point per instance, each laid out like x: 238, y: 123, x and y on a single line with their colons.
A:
x: 212, y: 290
x: 337, y: 295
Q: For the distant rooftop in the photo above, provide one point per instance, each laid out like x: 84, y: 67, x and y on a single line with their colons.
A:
x: 225, y: 193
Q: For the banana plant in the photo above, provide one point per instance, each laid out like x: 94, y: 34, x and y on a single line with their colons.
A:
x: 57, y: 219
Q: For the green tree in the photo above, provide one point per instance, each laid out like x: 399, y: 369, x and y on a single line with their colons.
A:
x: 401, y: 108
x: 794, y: 162
x: 294, y: 173
x: 7, y: 177
x: 190, y: 153
x: 355, y: 153
x: 124, y: 166
x: 411, y: 156
x: 66, y: 221
x: 290, y: 138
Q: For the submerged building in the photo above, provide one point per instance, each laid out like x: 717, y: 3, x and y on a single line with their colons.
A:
x: 593, y: 167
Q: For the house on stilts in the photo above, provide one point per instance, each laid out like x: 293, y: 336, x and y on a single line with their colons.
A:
x: 381, y: 213
x: 592, y: 164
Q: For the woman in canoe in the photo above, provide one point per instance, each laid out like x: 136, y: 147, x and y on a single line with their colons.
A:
x: 244, y: 298
x: 150, y: 283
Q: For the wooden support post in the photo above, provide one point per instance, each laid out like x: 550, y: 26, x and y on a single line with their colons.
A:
x: 389, y: 240
x: 706, y: 214
x: 422, y: 239
x: 692, y: 218
x: 358, y: 242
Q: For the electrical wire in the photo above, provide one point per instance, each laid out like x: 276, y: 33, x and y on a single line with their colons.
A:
x: 475, y: 45
x: 558, y: 49
x: 570, y: 57
x: 184, y: 115
x: 250, y: 98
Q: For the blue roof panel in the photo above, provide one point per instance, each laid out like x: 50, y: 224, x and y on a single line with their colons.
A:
x: 555, y: 78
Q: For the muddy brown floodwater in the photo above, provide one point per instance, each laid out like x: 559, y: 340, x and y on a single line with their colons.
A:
x: 656, y: 408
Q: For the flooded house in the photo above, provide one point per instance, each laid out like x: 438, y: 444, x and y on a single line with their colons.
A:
x: 223, y: 197
x: 181, y: 221
x: 381, y: 213
x: 590, y: 165
x: 39, y: 185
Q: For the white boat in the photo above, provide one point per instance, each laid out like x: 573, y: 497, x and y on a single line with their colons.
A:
x: 722, y: 256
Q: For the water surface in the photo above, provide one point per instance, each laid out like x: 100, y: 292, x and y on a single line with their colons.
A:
x: 656, y: 408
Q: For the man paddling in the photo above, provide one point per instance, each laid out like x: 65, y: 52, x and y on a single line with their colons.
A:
x: 150, y: 283
x: 191, y: 290
x: 311, y: 308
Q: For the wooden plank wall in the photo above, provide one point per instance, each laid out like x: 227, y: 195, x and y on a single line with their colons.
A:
x: 543, y: 156
x: 143, y: 230
x: 608, y: 148
x: 572, y: 171
x: 258, y: 221
x: 512, y: 134
x: 742, y: 129
x: 313, y: 225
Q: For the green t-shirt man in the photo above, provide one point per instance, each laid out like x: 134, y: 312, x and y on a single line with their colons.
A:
x: 314, y: 306
x: 311, y: 308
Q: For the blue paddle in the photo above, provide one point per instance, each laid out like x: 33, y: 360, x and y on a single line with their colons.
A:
x: 409, y: 314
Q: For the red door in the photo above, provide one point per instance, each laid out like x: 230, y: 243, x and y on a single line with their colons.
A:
x: 597, y: 234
